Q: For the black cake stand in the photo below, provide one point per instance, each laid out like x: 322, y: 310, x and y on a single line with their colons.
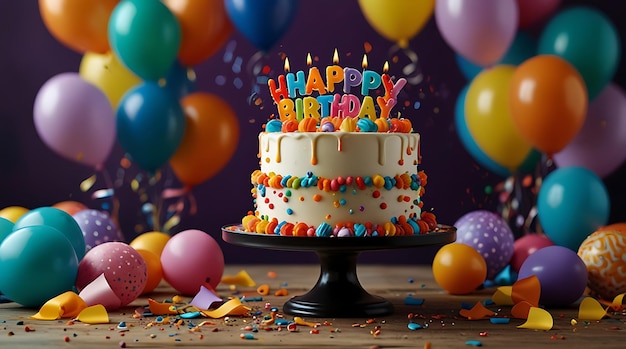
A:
x: 338, y: 292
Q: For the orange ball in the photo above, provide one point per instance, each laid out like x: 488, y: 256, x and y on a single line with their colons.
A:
x: 155, y: 271
x: 153, y: 241
x: 70, y: 207
x: 459, y: 268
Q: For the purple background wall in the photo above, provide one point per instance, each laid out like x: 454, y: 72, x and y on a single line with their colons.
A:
x: 31, y: 175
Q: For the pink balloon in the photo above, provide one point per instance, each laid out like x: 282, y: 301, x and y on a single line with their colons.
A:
x: 525, y: 246
x: 190, y: 259
x: 533, y: 11
x: 600, y: 145
x: 481, y: 31
x: 75, y: 119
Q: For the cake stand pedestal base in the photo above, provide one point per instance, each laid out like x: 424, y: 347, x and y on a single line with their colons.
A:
x: 338, y: 292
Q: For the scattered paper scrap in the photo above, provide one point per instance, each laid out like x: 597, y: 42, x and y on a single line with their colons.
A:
x: 538, y: 319
x: 527, y: 289
x: 242, y: 278
x: 157, y: 308
x: 100, y: 292
x: 478, y: 312
x: 204, y: 298
x: 65, y: 305
x: 502, y: 295
x: 591, y: 309
x: 521, y: 309
x: 232, y: 307
x: 95, y: 314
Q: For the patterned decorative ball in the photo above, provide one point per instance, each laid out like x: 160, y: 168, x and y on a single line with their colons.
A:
x: 97, y: 227
x: 604, y: 254
x: 490, y: 235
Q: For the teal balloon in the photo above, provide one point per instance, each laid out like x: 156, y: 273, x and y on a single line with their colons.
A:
x: 468, y: 142
x: 6, y: 228
x: 145, y: 35
x: 586, y: 38
x: 37, y: 263
x: 180, y: 80
x: 58, y: 219
x: 150, y: 125
x: 572, y: 203
x: 523, y: 47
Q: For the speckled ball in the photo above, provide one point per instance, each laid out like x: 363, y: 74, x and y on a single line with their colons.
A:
x: 123, y: 267
x: 604, y: 254
x: 490, y: 235
x: 97, y: 227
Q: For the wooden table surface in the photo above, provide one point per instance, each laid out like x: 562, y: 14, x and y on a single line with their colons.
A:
x: 440, y: 312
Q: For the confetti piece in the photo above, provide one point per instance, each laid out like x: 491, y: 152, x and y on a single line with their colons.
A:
x: 95, y: 314
x: 474, y: 343
x: 300, y: 321
x: 263, y: 290
x: 413, y: 301
x: 527, y: 289
x: 232, y: 307
x: 157, y: 308
x: 478, y: 312
x: 521, y: 310
x: 413, y: 326
x: 281, y: 292
x: 67, y: 304
x: 502, y: 296
x: 538, y: 319
x: 204, y: 298
x: 591, y: 309
x: 499, y: 320
x: 242, y: 278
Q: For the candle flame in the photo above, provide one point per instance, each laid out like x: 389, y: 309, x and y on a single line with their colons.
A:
x: 364, y: 63
x: 309, y: 61
x: 335, y: 57
x: 386, y: 67
x: 287, y: 67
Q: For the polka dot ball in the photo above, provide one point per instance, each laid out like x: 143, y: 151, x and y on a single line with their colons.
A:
x: 97, y: 227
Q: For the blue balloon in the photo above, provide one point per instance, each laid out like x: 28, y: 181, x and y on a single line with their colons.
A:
x: 6, y: 227
x: 572, y: 204
x: 38, y: 263
x: 262, y: 22
x: 150, y: 125
x: 58, y: 219
x: 180, y: 80
x: 522, y: 48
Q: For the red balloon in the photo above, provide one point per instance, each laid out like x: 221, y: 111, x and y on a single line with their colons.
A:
x: 525, y: 246
x: 533, y: 11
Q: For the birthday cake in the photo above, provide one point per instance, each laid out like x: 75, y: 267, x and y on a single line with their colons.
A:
x: 334, y: 163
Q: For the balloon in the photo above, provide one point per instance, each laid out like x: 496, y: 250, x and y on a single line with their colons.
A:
x: 490, y: 235
x: 78, y: 24
x: 593, y: 48
x: 204, y: 25
x: 533, y: 11
x: 123, y: 267
x: 548, y: 102
x: 154, y: 270
x: 459, y: 268
x: 145, y: 36
x: 210, y: 139
x: 561, y: 273
x: 153, y: 241
x: 480, y: 31
x: 108, y: 74
x: 262, y: 22
x: 523, y: 47
x: 97, y: 227
x: 6, y: 228
x: 572, y: 203
x: 75, y: 119
x: 525, y: 246
x: 601, y: 134
x: 603, y: 253
x: 488, y: 117
x: 58, y: 219
x: 150, y: 125
x: 190, y: 259
x: 37, y: 263
x: 70, y: 207
x: 13, y: 213
x: 180, y: 81
x: 399, y: 20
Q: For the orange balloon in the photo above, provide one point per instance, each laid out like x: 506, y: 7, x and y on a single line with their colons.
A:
x: 621, y: 227
x: 154, y: 268
x: 78, y: 24
x: 153, y: 241
x: 549, y: 101
x: 70, y: 207
x: 205, y: 27
x: 210, y: 139
x: 459, y: 268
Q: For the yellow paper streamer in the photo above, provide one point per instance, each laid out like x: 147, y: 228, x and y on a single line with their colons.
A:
x: 65, y: 305
x: 95, y: 314
x: 538, y: 319
x: 241, y: 279
x: 502, y: 296
x: 233, y: 307
x: 591, y: 309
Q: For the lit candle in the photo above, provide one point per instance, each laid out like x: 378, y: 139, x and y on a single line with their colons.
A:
x: 314, y: 81
x: 334, y: 73
x: 371, y: 79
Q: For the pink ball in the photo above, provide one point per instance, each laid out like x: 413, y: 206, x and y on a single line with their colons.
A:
x: 123, y: 267
x: 190, y: 259
x: 525, y: 246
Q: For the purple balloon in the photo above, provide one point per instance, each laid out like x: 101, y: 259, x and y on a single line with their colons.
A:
x: 481, y: 31
x: 600, y: 145
x: 97, y: 227
x: 561, y: 273
x: 75, y: 119
x: 490, y: 235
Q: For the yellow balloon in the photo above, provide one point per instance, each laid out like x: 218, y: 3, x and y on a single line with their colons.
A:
x: 488, y: 117
x: 13, y: 213
x: 153, y: 241
x: 109, y: 74
x: 397, y: 20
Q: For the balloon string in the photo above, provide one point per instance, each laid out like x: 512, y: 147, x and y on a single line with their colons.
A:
x: 115, y: 203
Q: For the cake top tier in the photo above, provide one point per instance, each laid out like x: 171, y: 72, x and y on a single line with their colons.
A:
x: 336, y: 98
